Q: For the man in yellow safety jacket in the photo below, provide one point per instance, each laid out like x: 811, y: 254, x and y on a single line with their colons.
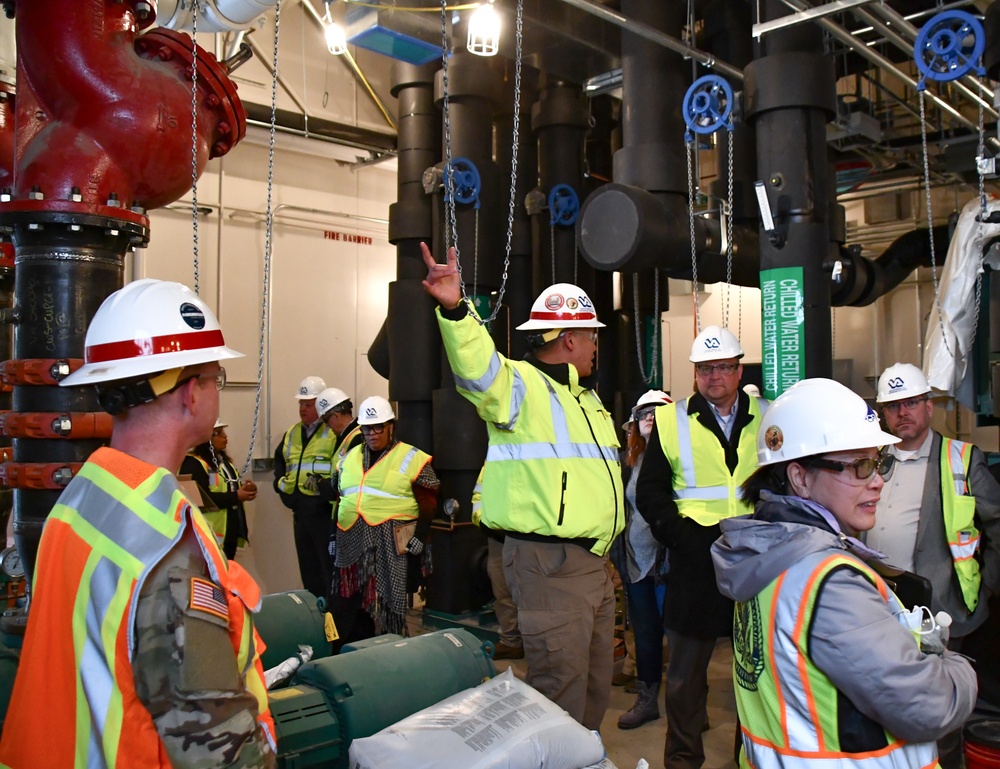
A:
x: 939, y: 515
x: 552, y: 479
x: 141, y: 648
x: 700, y: 451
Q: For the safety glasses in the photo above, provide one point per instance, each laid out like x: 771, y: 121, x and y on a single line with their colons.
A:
x: 864, y: 468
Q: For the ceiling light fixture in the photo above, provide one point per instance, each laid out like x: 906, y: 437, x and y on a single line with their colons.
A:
x: 484, y: 31
x: 336, y: 40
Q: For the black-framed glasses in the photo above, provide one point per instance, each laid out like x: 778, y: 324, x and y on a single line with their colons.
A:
x: 707, y: 369
x: 372, y: 429
x: 646, y: 412
x: 864, y: 468
x: 910, y: 404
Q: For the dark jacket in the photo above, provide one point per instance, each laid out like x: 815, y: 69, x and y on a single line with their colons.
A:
x: 693, y: 605
x: 297, y: 502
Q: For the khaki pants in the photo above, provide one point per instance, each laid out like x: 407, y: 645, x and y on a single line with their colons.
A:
x: 566, y: 612
x: 503, y: 605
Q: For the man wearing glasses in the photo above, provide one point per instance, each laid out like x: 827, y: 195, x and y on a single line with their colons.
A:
x: 939, y: 515
x: 699, y: 453
x: 140, y: 647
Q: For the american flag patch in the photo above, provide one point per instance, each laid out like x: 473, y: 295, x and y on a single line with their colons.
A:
x: 208, y: 597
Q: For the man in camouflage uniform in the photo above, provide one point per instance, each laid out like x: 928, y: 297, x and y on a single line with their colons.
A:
x: 140, y: 648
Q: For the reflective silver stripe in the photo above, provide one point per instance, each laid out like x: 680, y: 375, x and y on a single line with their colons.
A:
x: 373, y: 492
x: 349, y: 490
x: 684, y: 444
x: 514, y: 451
x: 483, y: 383
x: 963, y: 550
x: 96, y: 679
x: 559, y: 424
x: 321, y: 467
x: 902, y: 755
x: 518, y: 390
x: 703, y: 492
x: 957, y: 467
x: 405, y: 464
x: 292, y: 469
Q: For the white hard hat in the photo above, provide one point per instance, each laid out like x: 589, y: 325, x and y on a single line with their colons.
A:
x: 562, y: 305
x: 219, y: 423
x: 752, y: 390
x: 328, y: 399
x: 817, y: 416
x: 309, y: 388
x: 901, y: 381
x: 147, y: 327
x: 650, y: 397
x: 715, y: 343
x: 375, y: 410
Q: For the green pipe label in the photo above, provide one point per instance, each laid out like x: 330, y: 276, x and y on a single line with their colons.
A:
x: 783, y: 334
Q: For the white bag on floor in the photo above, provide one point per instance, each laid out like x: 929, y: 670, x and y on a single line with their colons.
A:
x: 500, y: 724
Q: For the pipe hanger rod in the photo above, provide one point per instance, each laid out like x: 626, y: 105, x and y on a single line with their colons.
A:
x: 656, y: 36
x: 805, y: 15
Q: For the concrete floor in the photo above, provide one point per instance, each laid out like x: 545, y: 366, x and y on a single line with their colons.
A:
x: 626, y: 747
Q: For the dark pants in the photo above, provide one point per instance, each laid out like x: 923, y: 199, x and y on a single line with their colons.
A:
x: 647, y: 624
x: 312, y: 540
x: 353, y: 623
x: 686, y: 703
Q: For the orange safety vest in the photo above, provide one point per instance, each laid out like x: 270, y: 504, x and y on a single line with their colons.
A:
x: 74, y: 703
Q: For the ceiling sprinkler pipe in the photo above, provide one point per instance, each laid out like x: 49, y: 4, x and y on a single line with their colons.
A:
x: 105, y: 114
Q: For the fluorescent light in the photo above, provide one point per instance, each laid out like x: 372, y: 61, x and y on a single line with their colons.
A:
x: 484, y: 31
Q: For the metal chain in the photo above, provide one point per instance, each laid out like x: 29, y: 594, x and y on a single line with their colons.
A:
x: 449, y: 175
x: 729, y: 224
x: 930, y: 224
x: 691, y: 149
x: 982, y: 215
x: 268, y: 228
x: 833, y: 333
x: 655, y: 358
x: 552, y: 248
x: 194, y: 139
x: 576, y: 257
x: 475, y: 258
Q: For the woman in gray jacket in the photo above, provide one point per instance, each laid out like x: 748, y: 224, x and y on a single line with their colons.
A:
x: 827, y: 662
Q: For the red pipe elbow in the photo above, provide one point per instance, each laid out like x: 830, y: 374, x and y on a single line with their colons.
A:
x: 105, y: 114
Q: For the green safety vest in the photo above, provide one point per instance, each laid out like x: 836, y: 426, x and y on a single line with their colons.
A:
x: 705, y: 490
x: 787, y: 706
x: 552, y: 464
x: 959, y: 510
x: 217, y: 484
x: 382, y: 493
x: 315, y: 457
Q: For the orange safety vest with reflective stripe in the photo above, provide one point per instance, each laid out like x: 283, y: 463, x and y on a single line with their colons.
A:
x: 787, y: 706
x: 74, y: 703
x: 385, y: 491
x: 217, y: 484
x: 958, y: 507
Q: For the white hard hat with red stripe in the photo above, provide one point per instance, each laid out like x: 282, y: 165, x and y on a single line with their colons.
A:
x: 562, y: 305
x: 147, y: 327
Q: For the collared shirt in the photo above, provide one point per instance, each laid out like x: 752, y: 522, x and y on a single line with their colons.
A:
x: 898, y: 513
x: 725, y: 422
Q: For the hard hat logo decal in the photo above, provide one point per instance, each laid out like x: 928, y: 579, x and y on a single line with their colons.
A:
x: 571, y: 303
x: 554, y: 301
x: 896, y: 383
x: 371, y: 412
x: 193, y: 316
x: 871, y: 416
x: 774, y: 438
x: 712, y: 343
x: 585, y: 302
x: 303, y: 390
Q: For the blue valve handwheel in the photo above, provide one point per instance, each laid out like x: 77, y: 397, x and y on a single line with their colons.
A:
x: 949, y: 46
x: 564, y: 205
x: 466, y: 181
x: 708, y: 104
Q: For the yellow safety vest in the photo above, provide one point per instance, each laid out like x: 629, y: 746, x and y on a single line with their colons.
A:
x: 345, y: 445
x: 315, y: 457
x: 552, y: 464
x: 382, y: 493
x: 217, y: 484
x: 959, y: 510
x: 705, y: 490
x: 787, y: 706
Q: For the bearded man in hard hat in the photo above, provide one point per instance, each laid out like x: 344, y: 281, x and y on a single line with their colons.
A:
x: 699, y: 453
x: 552, y: 479
x: 302, y: 462
x: 140, y: 648
x: 939, y: 515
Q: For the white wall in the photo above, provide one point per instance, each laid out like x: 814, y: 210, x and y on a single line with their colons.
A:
x: 327, y: 302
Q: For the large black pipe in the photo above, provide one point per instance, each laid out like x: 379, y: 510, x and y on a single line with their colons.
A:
x: 790, y: 115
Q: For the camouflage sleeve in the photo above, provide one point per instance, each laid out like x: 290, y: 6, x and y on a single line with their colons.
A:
x: 186, y: 672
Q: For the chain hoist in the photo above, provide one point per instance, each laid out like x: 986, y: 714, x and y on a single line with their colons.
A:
x: 451, y: 225
x: 564, y: 209
x: 195, y: 7
x: 655, y: 341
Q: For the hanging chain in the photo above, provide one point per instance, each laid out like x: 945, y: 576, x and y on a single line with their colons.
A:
x: 552, y: 248
x: 833, y: 333
x: 691, y: 149
x: 655, y: 357
x: 576, y: 257
x: 268, y: 228
x: 449, y: 172
x: 930, y: 224
x: 194, y: 139
x: 980, y: 155
x: 475, y: 258
x: 729, y: 224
